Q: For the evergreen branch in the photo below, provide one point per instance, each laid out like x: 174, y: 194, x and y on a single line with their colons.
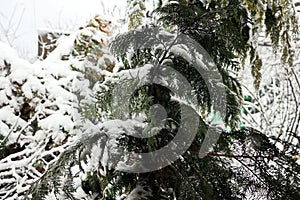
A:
x: 167, y: 51
x: 216, y: 11
x: 185, y: 179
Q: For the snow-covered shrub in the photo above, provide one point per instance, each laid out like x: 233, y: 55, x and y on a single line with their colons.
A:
x: 38, y: 116
x: 41, y: 104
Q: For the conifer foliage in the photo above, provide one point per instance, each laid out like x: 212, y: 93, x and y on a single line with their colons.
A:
x: 106, y: 104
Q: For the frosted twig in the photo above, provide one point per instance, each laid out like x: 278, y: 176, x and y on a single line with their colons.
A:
x: 10, y: 131
x: 27, y: 124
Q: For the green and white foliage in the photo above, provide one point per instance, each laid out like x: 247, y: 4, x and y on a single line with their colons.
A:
x: 85, y: 170
x: 140, y: 12
x: 164, y: 48
x: 245, y: 163
x: 47, y: 152
x: 136, y: 13
x: 91, y: 57
x: 38, y: 119
x: 214, y: 25
x: 229, y: 30
x: 42, y: 103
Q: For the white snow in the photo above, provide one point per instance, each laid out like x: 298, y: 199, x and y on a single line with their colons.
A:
x: 52, y: 89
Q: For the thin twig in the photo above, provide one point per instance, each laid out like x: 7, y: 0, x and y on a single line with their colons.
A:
x: 10, y: 131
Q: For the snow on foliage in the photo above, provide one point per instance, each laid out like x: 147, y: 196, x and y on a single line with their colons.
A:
x: 40, y: 104
x: 44, y: 138
x: 31, y: 98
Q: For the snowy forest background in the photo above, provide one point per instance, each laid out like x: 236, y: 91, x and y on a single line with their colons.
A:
x: 60, y: 131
